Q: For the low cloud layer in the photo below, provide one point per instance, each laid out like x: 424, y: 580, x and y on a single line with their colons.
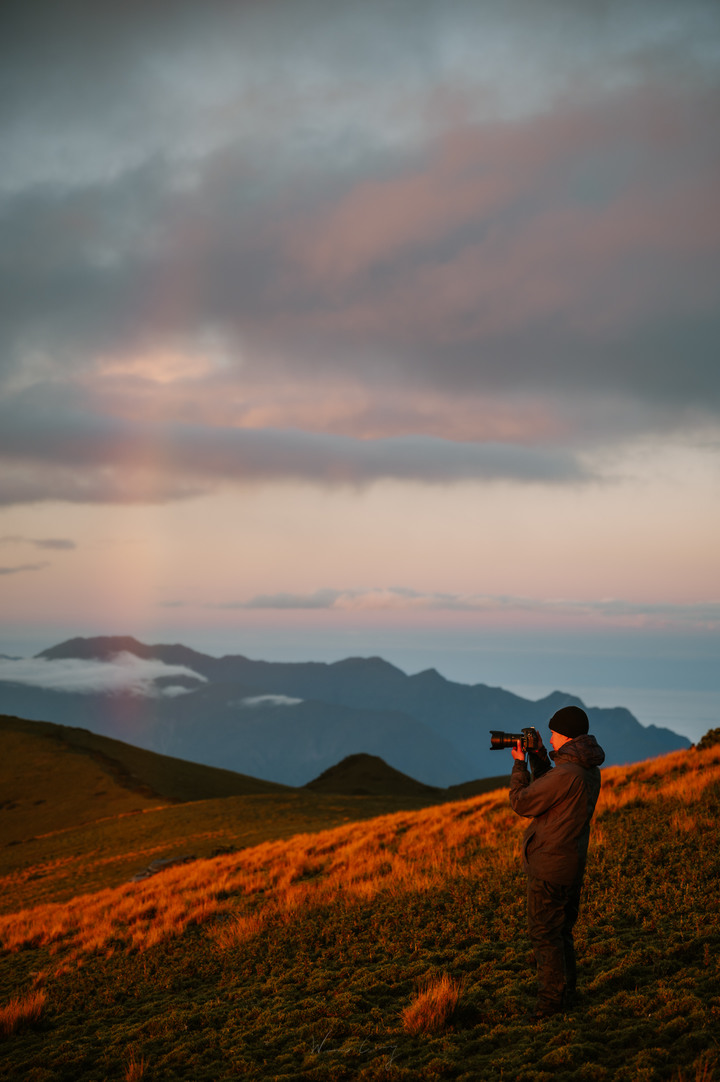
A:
x: 269, y: 700
x: 125, y: 673
x: 703, y: 615
x: 486, y: 248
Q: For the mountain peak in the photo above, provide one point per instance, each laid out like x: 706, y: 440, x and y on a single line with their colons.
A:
x: 375, y: 663
x: 101, y: 647
x: 557, y: 699
x: 367, y: 775
x: 429, y: 677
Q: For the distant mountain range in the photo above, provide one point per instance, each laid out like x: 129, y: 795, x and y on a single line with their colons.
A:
x: 290, y: 722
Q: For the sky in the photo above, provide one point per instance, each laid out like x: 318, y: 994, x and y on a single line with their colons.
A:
x: 366, y: 328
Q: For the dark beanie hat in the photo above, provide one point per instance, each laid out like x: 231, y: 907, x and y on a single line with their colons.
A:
x: 570, y: 721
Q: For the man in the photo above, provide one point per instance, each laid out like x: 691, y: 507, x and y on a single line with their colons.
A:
x: 560, y: 800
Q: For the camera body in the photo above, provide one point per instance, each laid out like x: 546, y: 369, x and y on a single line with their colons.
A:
x: 530, y: 739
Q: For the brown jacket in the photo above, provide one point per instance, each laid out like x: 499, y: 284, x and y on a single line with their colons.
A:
x: 560, y: 800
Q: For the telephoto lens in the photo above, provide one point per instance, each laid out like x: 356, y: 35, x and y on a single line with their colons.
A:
x: 530, y: 739
x: 499, y: 740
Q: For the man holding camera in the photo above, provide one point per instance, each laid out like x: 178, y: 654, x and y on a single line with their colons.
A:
x: 560, y: 800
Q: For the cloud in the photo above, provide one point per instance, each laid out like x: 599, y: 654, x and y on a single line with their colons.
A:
x: 125, y: 673
x: 119, y: 460
x: 572, y: 252
x: 268, y: 700
x: 59, y: 544
x: 123, y: 82
x: 20, y: 568
x: 567, y: 254
x: 704, y: 614
x: 172, y: 691
x: 478, y: 248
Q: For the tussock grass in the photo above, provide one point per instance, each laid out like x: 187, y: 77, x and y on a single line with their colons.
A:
x: 134, y: 1067
x: 434, y: 1007
x: 21, y: 1011
x: 323, y: 955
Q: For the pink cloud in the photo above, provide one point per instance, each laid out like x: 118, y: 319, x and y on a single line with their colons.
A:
x: 493, y: 231
x: 380, y: 218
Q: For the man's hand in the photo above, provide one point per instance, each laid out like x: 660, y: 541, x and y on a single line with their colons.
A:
x: 517, y: 751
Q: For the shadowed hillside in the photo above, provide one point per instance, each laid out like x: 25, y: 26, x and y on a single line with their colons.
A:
x: 361, y: 775
x: 145, y: 772
x: 368, y: 774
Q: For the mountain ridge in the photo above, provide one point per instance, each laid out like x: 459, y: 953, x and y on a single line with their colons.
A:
x: 290, y: 721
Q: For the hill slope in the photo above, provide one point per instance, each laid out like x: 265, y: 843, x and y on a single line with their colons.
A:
x: 136, y: 769
x: 299, y: 959
x: 80, y: 811
x: 47, y: 786
x: 365, y: 774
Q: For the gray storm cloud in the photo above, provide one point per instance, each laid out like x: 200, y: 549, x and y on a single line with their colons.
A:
x: 417, y: 204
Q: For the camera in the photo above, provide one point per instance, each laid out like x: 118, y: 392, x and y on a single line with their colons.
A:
x: 530, y: 739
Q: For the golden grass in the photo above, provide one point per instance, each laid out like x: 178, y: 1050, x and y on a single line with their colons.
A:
x: 703, y: 1070
x: 21, y: 1011
x: 235, y: 895
x: 134, y: 1067
x: 401, y: 851
x: 434, y: 1007
x: 683, y: 775
x: 36, y: 804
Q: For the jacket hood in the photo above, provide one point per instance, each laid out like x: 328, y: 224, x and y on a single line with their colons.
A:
x: 583, y: 750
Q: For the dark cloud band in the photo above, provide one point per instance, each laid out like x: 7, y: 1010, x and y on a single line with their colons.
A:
x: 81, y: 457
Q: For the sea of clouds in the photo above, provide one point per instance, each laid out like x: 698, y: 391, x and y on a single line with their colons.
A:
x: 123, y: 673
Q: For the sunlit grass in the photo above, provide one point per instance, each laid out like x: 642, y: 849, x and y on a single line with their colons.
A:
x: 21, y: 1011
x: 407, y: 851
x: 434, y: 1007
x: 403, y: 852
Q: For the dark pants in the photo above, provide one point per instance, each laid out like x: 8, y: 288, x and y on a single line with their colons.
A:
x: 552, y: 912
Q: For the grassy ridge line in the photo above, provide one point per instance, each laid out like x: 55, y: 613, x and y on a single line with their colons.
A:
x: 299, y: 959
x: 144, y: 772
x: 47, y: 786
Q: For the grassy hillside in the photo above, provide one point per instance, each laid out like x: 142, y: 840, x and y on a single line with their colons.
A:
x: 145, y: 773
x: 387, y: 949
x: 79, y: 811
x: 47, y: 786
